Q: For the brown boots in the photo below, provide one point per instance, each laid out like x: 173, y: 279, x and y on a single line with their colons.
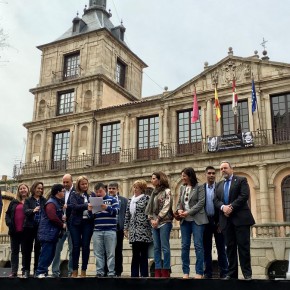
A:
x: 74, y: 274
x: 83, y: 274
x: 162, y: 273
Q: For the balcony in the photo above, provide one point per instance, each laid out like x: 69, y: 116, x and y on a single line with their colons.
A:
x: 261, y: 138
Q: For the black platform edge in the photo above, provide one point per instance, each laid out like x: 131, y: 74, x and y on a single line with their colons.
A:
x: 140, y: 284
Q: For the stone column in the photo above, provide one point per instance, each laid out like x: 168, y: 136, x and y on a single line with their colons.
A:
x: 75, y: 140
x: 166, y: 124
x: 43, y: 145
x: 28, y: 148
x: 125, y: 188
x: 91, y: 137
x: 264, y: 198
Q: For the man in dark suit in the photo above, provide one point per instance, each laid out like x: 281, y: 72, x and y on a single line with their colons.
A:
x: 213, y: 229
x: 113, y: 189
x: 235, y: 219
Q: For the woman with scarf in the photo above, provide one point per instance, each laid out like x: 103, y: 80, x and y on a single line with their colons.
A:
x: 33, y: 206
x: 190, y: 208
x: 159, y: 211
x: 137, y: 229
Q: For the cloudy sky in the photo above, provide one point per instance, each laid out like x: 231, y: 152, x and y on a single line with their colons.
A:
x: 174, y: 38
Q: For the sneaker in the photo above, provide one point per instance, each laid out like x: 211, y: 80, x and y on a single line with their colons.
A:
x: 99, y: 276
x: 13, y: 275
x: 41, y: 276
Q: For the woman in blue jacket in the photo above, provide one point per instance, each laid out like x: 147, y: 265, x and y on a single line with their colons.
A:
x: 81, y: 225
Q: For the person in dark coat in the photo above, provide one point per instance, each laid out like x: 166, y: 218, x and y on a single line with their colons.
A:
x: 14, y: 219
x: 50, y: 228
x: 33, y: 207
x: 212, y: 229
x: 235, y: 219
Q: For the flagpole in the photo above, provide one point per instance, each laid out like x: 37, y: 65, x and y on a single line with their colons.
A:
x: 257, y: 103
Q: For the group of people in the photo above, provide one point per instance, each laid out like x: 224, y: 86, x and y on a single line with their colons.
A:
x: 208, y: 210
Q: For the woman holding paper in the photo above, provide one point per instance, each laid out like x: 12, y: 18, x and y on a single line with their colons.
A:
x: 81, y: 225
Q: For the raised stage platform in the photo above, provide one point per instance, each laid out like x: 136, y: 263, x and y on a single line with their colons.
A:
x: 139, y: 284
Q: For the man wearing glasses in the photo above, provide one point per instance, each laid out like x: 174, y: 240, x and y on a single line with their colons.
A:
x: 212, y: 229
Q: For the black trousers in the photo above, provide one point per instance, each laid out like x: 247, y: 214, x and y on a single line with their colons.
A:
x: 119, y: 253
x: 211, y: 230
x: 16, y: 242
x: 139, y: 264
x: 237, y: 239
x: 30, y: 238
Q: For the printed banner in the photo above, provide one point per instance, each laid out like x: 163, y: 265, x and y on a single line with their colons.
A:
x: 230, y: 142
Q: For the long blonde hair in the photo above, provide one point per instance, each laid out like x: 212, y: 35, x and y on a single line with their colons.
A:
x: 79, y: 179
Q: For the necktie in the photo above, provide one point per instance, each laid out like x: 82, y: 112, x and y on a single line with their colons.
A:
x: 226, y: 191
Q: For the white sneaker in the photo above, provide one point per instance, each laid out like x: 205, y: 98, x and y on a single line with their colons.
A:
x: 41, y: 276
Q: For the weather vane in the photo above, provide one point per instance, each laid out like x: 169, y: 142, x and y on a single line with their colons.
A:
x: 264, y: 43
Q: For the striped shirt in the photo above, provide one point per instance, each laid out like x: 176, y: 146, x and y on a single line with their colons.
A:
x: 106, y: 220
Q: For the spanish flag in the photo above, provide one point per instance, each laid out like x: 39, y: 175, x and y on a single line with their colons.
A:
x: 217, y: 106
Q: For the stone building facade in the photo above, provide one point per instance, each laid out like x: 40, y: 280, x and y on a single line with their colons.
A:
x: 90, y: 119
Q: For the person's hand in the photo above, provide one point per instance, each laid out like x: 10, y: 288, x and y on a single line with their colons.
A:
x: 184, y: 214
x: 126, y: 234
x: 154, y: 223
x: 180, y: 211
x: 36, y: 209
x: 227, y: 210
x: 65, y: 206
x: 104, y: 206
x: 90, y: 207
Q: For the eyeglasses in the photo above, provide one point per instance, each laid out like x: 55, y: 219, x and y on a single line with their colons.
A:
x: 211, y: 173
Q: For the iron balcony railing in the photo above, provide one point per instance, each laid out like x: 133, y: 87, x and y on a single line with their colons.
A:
x: 260, y: 138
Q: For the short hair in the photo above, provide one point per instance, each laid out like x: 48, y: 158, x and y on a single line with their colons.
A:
x: 113, y: 184
x: 100, y: 185
x: 56, y: 188
x: 141, y: 183
x: 162, y: 177
x: 225, y: 161
x: 18, y: 196
x: 79, y: 179
x: 209, y: 167
x: 33, y: 187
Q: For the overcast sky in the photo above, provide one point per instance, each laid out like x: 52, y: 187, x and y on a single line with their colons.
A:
x: 174, y: 38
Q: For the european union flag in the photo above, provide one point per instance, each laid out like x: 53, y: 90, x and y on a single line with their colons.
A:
x: 254, y: 97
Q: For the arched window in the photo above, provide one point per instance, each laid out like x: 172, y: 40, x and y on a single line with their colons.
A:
x: 41, y: 109
x: 37, y: 143
x: 286, y: 198
x: 84, y: 137
x: 88, y: 101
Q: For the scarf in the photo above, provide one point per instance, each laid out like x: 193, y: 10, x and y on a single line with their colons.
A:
x: 133, y: 202
x: 151, y: 208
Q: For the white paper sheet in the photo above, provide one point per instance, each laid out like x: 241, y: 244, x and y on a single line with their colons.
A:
x: 96, y: 202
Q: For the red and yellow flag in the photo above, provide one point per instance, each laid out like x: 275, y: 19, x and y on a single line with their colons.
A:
x: 217, y: 105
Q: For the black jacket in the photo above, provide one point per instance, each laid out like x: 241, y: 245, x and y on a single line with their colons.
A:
x: 10, y: 215
x: 29, y: 206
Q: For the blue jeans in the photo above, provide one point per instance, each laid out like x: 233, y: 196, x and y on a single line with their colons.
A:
x: 46, y: 257
x: 59, y: 246
x: 81, y: 238
x: 188, y: 228
x: 105, y: 242
x: 161, y: 238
